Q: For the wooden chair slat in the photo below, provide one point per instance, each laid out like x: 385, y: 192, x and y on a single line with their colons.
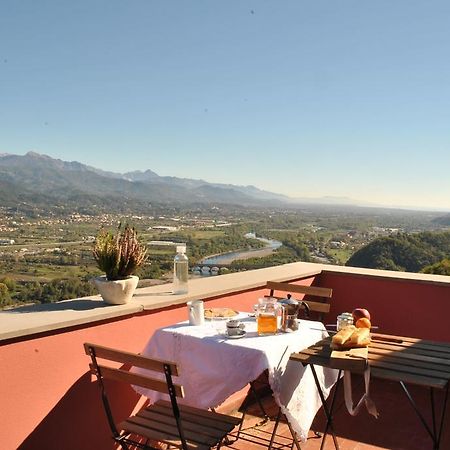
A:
x: 441, y: 346
x: 156, y: 365
x: 417, y: 344
x: 172, y: 430
x: 420, y: 380
x: 204, y: 413
x: 300, y: 289
x: 318, y: 349
x: 150, y: 433
x: 212, y: 429
x: 406, y: 369
x: 157, y: 435
x: 313, y: 306
x: 310, y: 359
x: 411, y: 358
x: 194, y: 417
x: 137, y: 380
x: 410, y: 350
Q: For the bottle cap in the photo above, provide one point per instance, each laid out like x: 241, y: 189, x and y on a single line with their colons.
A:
x: 181, y: 248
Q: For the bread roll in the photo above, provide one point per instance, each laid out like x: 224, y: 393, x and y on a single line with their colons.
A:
x: 343, y: 335
x: 359, y: 337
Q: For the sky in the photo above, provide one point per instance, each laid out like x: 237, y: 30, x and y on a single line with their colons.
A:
x: 305, y: 98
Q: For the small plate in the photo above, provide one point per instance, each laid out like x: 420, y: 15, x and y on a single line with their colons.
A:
x: 220, y: 313
x: 240, y: 335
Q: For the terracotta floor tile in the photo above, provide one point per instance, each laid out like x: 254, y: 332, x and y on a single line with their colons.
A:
x: 397, y: 428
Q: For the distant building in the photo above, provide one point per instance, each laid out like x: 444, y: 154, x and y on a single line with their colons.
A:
x: 7, y: 241
x: 337, y: 244
x: 166, y: 243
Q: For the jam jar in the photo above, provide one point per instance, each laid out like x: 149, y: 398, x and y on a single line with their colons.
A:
x: 344, y: 320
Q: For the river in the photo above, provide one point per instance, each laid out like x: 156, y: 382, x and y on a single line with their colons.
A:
x: 229, y: 257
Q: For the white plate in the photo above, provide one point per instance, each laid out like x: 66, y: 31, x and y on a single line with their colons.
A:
x: 241, y: 334
x: 220, y: 317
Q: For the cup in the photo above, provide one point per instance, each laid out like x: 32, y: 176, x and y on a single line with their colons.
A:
x: 234, y: 327
x: 196, y: 312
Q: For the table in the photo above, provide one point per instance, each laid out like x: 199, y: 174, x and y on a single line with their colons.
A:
x: 396, y: 358
x: 213, y: 367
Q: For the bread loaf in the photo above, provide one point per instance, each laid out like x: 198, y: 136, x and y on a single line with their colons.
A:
x: 343, y: 335
x: 350, y: 337
x: 359, y: 337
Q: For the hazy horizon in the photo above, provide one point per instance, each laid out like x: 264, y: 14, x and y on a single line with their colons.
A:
x: 309, y: 100
x: 323, y: 200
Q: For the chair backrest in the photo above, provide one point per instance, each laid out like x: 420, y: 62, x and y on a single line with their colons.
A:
x: 99, y: 352
x: 321, y: 294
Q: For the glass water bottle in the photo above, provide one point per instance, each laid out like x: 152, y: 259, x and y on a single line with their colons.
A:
x: 180, y: 271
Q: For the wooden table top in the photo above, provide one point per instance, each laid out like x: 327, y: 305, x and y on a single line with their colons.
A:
x: 396, y: 358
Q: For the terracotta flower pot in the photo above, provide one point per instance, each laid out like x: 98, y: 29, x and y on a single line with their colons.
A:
x: 116, y: 292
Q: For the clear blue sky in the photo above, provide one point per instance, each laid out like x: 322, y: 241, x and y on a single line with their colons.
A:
x: 306, y: 98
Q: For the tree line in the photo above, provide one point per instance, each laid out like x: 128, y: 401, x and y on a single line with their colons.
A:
x: 427, y: 252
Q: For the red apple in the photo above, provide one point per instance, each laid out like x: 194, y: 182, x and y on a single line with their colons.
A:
x: 359, y: 313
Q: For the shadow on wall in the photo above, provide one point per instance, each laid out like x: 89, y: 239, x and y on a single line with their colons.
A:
x: 79, y: 421
x: 74, y: 305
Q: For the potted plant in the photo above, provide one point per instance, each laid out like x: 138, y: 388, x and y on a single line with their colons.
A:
x: 119, y: 255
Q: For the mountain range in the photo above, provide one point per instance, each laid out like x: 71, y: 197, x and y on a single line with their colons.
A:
x: 36, y: 180
x: 33, y: 182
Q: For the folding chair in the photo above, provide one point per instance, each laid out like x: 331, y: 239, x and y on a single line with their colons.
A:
x: 180, y: 426
x: 319, y: 305
x: 321, y: 296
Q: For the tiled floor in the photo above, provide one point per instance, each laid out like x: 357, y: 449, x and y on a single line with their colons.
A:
x: 397, y: 427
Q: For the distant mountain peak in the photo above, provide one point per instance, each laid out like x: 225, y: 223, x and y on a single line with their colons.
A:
x: 33, y: 154
x: 139, y: 175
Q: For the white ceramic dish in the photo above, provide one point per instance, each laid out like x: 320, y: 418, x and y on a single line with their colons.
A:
x: 219, y: 311
x: 240, y: 335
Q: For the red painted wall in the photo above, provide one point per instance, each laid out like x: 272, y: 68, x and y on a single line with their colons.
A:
x: 401, y: 307
x: 48, y: 400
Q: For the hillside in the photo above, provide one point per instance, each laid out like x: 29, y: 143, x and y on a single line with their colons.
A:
x: 403, y: 252
x: 35, y: 180
x: 443, y: 220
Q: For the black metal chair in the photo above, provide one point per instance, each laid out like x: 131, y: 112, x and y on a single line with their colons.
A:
x: 176, y: 425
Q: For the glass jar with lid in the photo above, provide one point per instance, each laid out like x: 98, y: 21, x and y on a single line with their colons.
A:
x: 268, y: 316
x: 344, y: 320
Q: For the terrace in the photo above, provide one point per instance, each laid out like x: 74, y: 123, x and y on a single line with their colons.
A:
x: 50, y: 402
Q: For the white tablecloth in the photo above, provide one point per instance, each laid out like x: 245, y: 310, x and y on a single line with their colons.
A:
x: 212, y: 367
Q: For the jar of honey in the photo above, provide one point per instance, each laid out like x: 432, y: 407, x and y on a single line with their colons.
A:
x: 268, y: 316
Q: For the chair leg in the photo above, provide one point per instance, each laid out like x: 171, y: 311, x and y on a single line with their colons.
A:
x: 274, y: 432
x: 261, y: 407
x: 266, y: 417
x: 122, y: 444
x: 240, y: 425
x: 294, y: 437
